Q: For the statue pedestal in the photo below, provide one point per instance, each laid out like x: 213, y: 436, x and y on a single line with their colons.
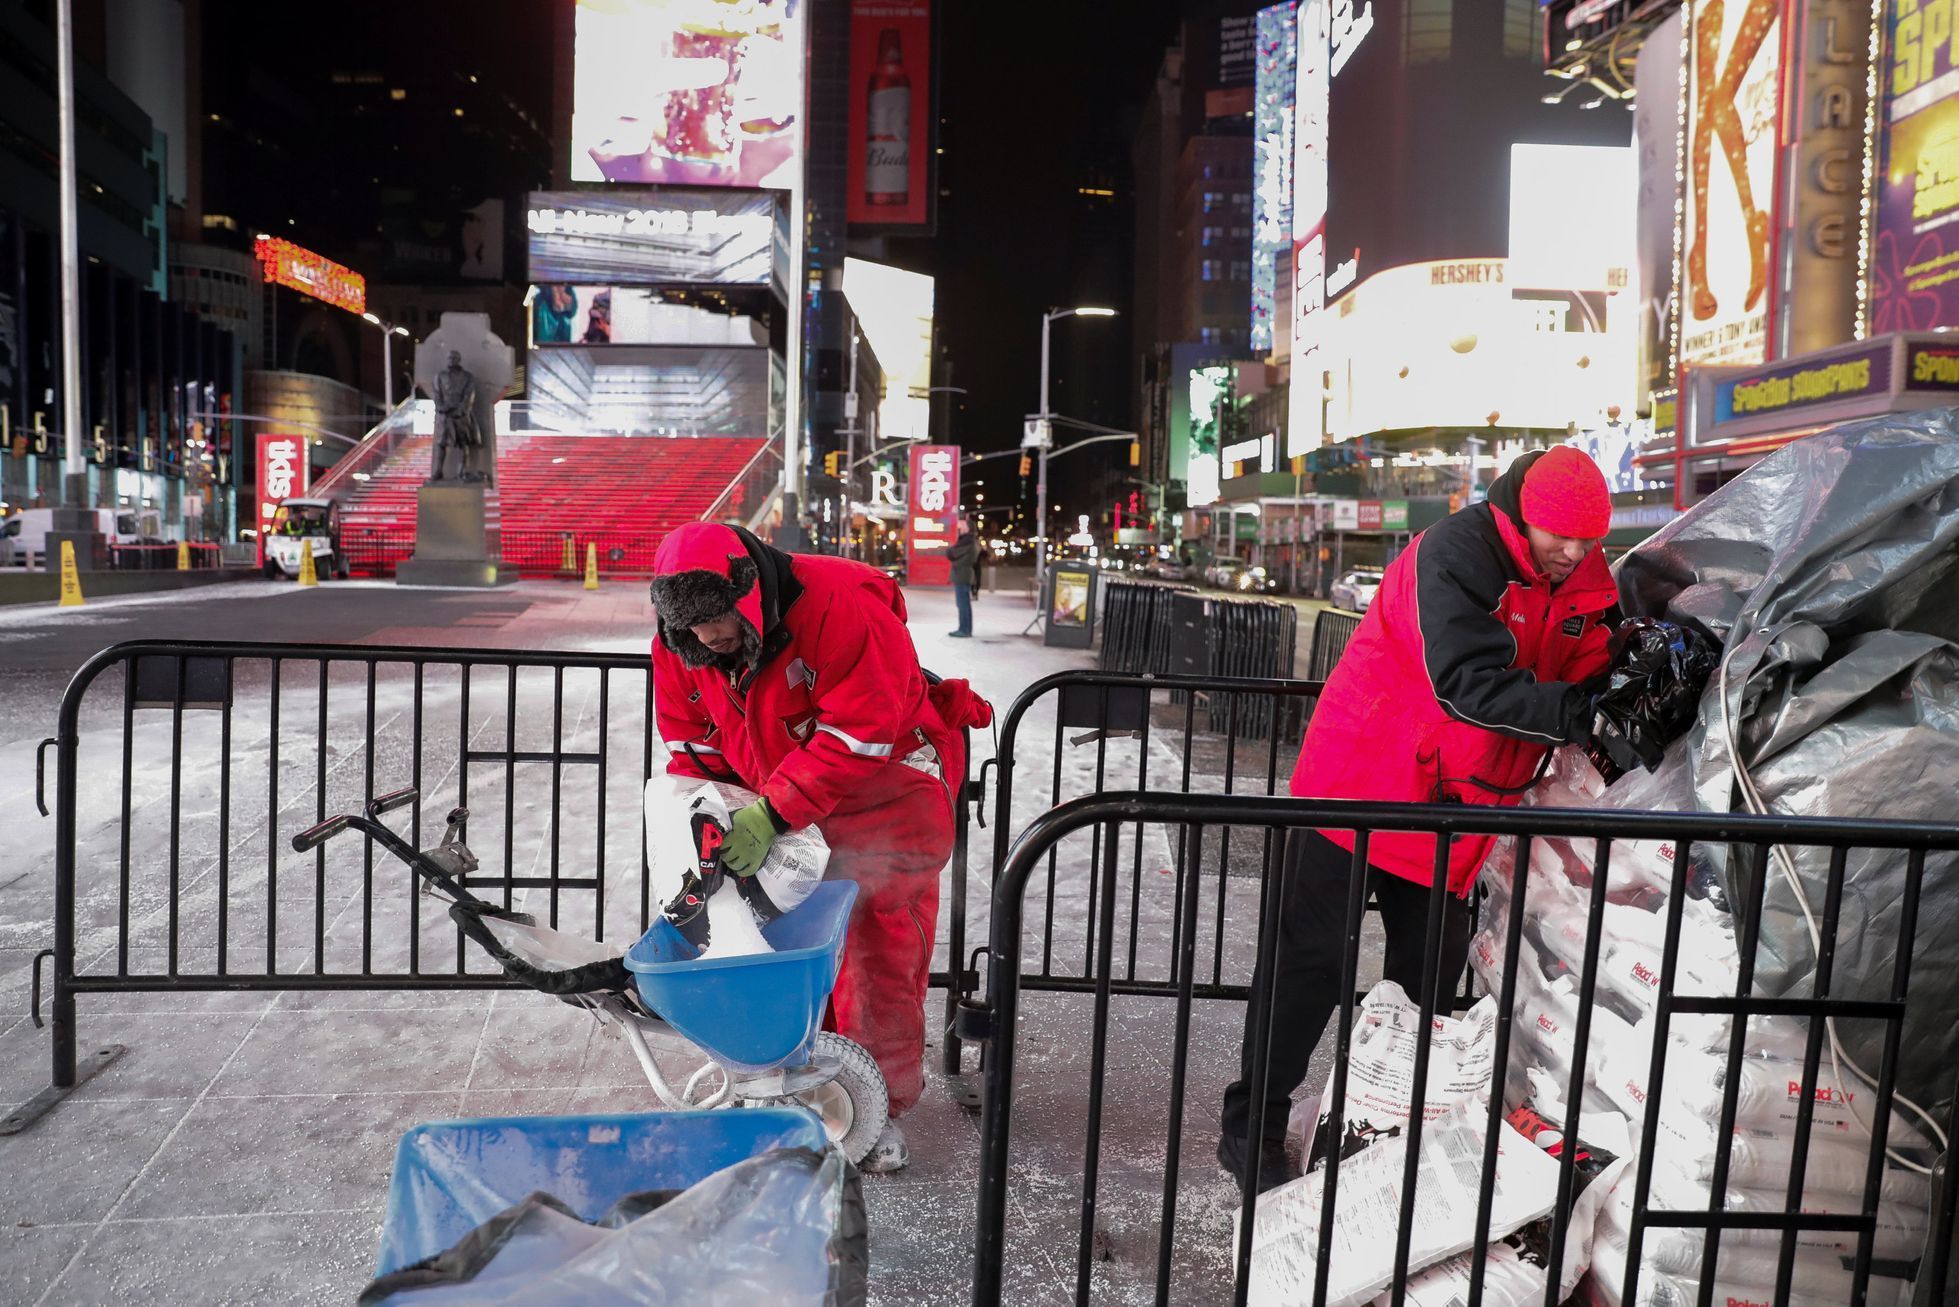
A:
x: 452, y: 541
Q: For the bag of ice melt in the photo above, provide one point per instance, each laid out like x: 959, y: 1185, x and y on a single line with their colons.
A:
x: 723, y: 915
x: 1381, y: 1067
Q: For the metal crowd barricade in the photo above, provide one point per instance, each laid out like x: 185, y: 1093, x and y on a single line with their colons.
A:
x: 199, y: 760
x: 997, y: 1021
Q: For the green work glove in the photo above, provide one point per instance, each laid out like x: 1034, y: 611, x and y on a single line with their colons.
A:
x: 750, y: 832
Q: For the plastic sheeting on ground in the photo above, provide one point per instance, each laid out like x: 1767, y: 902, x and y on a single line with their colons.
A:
x: 732, y: 1207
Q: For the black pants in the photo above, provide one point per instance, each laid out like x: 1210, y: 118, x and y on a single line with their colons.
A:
x: 1307, y: 984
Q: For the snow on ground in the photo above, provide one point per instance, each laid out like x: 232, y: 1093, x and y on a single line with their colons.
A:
x: 239, y: 1150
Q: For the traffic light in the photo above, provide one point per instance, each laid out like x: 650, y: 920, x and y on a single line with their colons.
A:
x: 1135, y: 453
x: 833, y: 463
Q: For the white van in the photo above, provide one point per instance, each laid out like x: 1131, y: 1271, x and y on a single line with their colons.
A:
x: 121, y: 527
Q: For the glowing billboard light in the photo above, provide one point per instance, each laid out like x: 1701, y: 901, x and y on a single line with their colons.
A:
x: 895, y: 309
x: 684, y: 93
x: 285, y: 264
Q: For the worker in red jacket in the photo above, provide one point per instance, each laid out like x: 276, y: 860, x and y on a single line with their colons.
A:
x: 1470, y: 666
x: 794, y: 677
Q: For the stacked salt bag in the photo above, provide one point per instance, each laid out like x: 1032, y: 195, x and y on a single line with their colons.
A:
x: 1559, y: 875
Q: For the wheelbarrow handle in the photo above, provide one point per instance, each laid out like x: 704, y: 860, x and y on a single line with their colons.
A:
x: 386, y: 803
x: 313, y: 836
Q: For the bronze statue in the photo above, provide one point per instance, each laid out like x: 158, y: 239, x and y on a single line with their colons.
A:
x: 455, y: 421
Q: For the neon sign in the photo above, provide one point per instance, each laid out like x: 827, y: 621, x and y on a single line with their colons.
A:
x: 293, y: 266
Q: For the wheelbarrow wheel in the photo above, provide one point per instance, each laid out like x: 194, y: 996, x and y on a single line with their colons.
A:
x: 854, y: 1106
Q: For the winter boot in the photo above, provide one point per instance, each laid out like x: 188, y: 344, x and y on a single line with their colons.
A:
x: 1275, y: 1167
x: 888, y: 1153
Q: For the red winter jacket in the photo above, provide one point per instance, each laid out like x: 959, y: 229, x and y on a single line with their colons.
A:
x: 822, y: 723
x: 1459, y: 681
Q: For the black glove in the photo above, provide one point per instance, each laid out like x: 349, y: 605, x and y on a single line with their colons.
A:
x: 1651, y: 692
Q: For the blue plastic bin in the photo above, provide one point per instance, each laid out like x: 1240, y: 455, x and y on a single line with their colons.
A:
x: 451, y: 1176
x: 757, y: 1012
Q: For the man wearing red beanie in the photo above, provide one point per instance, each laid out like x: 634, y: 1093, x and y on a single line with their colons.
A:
x: 1469, y: 668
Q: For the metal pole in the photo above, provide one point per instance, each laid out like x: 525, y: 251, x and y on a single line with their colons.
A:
x: 387, y: 368
x: 1041, y: 481
x: 72, y: 465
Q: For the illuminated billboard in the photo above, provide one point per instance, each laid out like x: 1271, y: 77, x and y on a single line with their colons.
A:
x: 1546, y: 247
x: 562, y: 314
x: 889, y: 168
x: 1732, y: 100
x: 1209, y: 391
x: 1305, y: 417
x: 661, y: 390
x: 1914, y: 260
x: 642, y: 237
x: 283, y: 263
x: 1272, y: 160
x: 1461, y: 343
x: 931, y: 514
x: 687, y: 92
x: 894, y: 307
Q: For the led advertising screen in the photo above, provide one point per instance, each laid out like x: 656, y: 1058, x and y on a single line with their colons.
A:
x: 1305, y: 417
x: 1734, y: 55
x: 889, y: 169
x: 564, y: 314
x: 649, y: 237
x: 687, y: 92
x: 1272, y: 159
x: 283, y: 263
x: 661, y: 390
x: 894, y: 307
x: 1914, y: 267
x: 932, y: 514
x: 1209, y: 391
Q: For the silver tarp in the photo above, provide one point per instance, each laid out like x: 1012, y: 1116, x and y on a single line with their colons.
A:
x: 1830, y: 572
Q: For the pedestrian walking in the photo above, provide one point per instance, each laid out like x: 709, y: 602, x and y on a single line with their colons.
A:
x: 794, y: 676
x: 1470, y: 666
x: 964, y: 557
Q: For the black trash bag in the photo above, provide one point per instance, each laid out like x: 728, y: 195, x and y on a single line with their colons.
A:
x: 1650, y: 694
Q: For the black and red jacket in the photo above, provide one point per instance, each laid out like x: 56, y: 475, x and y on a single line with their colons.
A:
x: 1462, y: 676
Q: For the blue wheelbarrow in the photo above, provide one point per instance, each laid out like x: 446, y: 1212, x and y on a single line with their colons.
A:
x: 756, y: 1019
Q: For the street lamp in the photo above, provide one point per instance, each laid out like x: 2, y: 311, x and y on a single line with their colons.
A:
x: 388, y: 332
x: 1046, y: 420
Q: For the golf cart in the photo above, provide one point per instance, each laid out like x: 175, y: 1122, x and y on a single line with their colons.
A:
x: 297, y: 523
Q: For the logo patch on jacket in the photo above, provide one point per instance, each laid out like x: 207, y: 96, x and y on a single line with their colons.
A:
x: 800, y: 671
x: 1574, y: 626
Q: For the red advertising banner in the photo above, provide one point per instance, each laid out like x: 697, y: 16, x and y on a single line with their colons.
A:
x: 1370, y: 515
x: 890, y: 152
x: 931, y: 514
x: 282, y: 473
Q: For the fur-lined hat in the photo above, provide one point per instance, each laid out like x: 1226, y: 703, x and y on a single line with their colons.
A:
x: 705, y: 570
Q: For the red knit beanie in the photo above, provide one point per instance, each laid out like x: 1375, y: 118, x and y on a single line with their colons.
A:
x: 1565, y: 493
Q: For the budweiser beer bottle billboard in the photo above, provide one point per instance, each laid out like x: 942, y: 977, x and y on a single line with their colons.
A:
x: 887, y: 132
x: 889, y: 168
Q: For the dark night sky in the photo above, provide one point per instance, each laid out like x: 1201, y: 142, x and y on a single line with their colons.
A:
x: 1030, y: 107
x: 1033, y: 102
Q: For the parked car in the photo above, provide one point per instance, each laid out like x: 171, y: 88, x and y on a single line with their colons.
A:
x: 1236, y: 575
x: 1356, y: 590
x: 1169, y: 569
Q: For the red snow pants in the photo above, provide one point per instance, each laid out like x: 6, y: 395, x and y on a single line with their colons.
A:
x: 895, y: 854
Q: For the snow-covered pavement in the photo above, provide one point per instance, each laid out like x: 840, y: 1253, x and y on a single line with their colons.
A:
x: 239, y: 1150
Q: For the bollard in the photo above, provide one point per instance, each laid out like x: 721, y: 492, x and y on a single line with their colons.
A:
x: 183, y: 555
x: 71, y: 580
x: 308, y: 574
x: 591, y: 565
